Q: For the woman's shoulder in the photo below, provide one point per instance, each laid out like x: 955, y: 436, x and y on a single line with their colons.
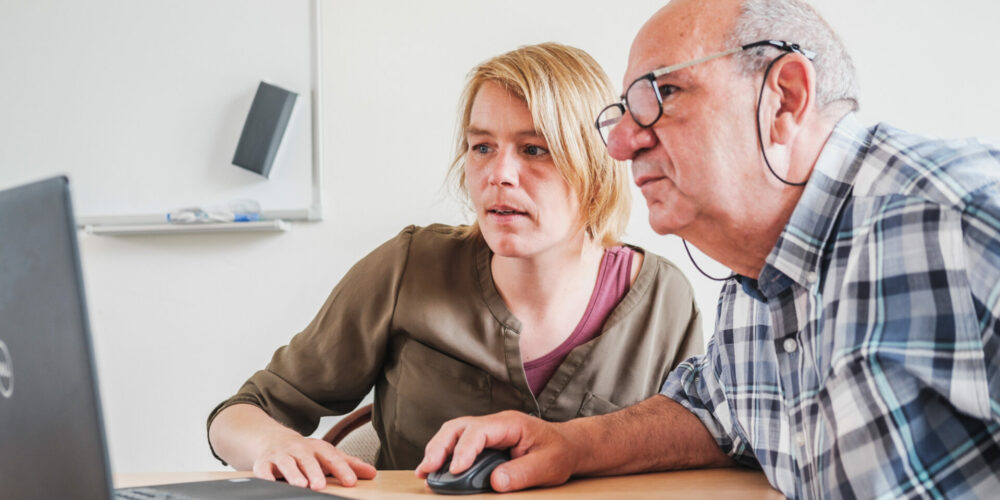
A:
x: 656, y: 262
x: 438, y: 242
x: 658, y: 272
x: 440, y: 235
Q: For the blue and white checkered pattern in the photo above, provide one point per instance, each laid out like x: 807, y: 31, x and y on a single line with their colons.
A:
x: 865, y: 360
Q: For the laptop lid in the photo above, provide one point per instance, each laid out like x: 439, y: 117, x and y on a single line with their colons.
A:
x: 51, y: 431
x: 51, y: 434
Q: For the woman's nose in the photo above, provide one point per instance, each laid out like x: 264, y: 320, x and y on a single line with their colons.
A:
x: 504, y: 171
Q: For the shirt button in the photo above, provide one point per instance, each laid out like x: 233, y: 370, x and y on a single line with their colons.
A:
x: 790, y: 345
x: 800, y: 438
x: 811, y: 276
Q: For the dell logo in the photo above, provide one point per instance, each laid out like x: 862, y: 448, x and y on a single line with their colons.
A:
x: 6, y: 372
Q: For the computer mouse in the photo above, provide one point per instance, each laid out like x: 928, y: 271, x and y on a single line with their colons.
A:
x: 475, y: 479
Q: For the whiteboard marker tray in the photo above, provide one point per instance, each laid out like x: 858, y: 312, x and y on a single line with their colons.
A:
x: 275, y: 225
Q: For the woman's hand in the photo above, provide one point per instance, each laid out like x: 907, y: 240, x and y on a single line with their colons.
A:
x: 306, y: 462
x: 249, y: 439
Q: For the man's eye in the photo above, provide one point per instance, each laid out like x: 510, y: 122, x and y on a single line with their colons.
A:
x: 667, y: 90
x: 532, y: 150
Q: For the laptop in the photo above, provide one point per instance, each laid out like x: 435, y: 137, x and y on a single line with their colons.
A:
x: 52, y: 442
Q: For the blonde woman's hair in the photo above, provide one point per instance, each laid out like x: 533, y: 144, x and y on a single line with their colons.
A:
x: 564, y: 89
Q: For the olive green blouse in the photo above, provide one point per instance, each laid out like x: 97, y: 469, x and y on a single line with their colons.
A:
x: 420, y: 319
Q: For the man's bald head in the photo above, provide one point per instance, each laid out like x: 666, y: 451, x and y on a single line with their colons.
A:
x: 704, y: 26
x: 688, y: 28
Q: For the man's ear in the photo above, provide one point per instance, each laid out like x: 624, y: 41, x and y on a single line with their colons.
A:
x: 793, y: 81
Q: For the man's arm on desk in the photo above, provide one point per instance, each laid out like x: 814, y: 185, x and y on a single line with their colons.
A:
x: 656, y: 434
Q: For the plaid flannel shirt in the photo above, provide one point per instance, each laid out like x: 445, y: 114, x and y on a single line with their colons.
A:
x: 864, y: 362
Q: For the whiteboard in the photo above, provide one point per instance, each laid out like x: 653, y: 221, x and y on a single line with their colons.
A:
x: 141, y: 103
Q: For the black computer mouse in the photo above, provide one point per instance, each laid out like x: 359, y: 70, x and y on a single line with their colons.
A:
x: 475, y: 479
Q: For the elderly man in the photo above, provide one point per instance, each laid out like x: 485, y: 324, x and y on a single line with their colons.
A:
x: 856, y: 350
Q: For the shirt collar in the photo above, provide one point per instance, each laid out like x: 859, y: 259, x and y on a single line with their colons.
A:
x: 796, y: 255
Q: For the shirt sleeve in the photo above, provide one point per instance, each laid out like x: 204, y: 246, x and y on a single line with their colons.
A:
x: 329, y: 367
x: 696, y: 386
x: 910, y: 399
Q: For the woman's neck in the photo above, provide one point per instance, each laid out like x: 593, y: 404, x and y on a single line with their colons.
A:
x: 549, y: 284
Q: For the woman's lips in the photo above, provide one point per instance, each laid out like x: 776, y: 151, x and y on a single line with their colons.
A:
x: 505, y: 210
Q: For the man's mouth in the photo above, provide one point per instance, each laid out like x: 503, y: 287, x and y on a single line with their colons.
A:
x: 642, y: 181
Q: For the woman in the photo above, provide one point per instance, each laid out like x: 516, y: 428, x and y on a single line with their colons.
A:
x: 535, y: 307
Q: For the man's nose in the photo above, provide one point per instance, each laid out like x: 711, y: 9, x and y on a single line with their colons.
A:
x: 627, y: 138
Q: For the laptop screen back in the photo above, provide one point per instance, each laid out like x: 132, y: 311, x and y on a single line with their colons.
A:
x: 51, y: 437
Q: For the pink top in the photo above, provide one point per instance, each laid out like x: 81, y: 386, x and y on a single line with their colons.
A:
x: 613, y: 281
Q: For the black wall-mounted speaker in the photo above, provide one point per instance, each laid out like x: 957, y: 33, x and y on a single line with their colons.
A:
x: 265, y: 126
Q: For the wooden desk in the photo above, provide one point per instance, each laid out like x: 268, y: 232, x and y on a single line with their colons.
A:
x: 400, y: 484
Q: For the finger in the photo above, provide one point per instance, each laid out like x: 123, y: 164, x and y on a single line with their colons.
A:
x: 337, y: 466
x: 264, y: 470
x: 289, y: 469
x: 501, y: 431
x: 313, y: 472
x: 363, y: 469
x: 468, y: 447
x: 440, y: 446
x: 532, y: 469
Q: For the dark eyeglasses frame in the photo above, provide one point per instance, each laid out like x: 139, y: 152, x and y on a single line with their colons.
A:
x: 656, y: 73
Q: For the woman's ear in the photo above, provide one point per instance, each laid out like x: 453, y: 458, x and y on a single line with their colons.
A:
x: 793, y: 81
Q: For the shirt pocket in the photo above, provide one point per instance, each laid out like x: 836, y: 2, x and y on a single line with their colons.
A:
x: 595, y: 405
x: 433, y: 387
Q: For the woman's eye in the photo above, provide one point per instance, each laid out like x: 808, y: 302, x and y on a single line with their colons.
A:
x: 481, y: 149
x: 532, y: 150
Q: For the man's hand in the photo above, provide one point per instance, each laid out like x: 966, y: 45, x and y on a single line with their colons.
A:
x: 656, y: 434
x: 305, y: 462
x: 543, y: 453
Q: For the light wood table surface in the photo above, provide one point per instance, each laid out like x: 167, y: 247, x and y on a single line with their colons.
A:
x: 401, y: 484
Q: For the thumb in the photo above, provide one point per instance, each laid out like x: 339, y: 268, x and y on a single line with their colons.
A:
x: 533, y: 469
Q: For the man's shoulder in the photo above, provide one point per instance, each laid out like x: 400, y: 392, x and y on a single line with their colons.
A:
x: 948, y: 172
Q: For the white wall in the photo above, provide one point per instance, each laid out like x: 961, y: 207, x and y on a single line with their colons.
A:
x: 180, y: 321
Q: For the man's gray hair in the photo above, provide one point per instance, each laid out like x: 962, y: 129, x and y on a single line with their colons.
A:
x: 795, y: 21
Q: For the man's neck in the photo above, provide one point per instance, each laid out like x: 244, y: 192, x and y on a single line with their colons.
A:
x: 744, y: 244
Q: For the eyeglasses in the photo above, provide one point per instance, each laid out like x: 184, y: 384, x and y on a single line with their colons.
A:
x: 643, y: 98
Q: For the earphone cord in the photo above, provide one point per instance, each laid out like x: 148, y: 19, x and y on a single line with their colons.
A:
x: 760, y: 138
x: 700, y: 270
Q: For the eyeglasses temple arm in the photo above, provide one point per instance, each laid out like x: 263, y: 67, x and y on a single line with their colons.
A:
x: 783, y: 45
x: 662, y: 71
